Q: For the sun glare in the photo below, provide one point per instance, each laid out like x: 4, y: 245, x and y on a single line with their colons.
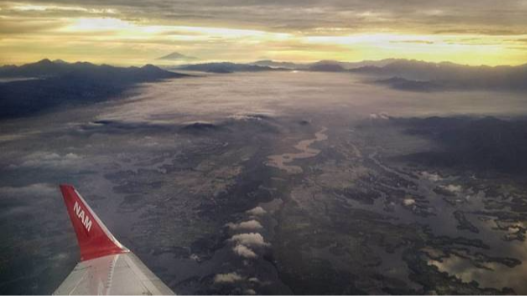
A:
x: 98, y: 24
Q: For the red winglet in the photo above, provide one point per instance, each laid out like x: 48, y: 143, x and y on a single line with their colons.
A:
x: 93, y: 237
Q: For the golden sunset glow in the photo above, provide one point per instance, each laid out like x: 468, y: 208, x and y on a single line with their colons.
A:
x: 138, y: 34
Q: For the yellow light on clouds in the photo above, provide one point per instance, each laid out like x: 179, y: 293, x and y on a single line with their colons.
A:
x: 32, y: 7
x: 128, y: 28
x: 98, y: 24
x: 103, y: 38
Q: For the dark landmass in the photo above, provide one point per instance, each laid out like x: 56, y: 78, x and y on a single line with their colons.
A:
x: 482, y: 144
x: 338, y: 66
x: 269, y: 65
x: 198, y: 127
x: 61, y: 83
x: 226, y: 67
x: 419, y: 76
x: 42, y: 69
x: 324, y: 66
x: 286, y: 65
x: 408, y: 75
x: 411, y: 85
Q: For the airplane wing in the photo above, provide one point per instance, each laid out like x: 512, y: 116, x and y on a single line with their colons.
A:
x: 106, y: 267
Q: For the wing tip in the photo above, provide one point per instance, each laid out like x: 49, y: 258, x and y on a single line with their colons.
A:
x: 65, y: 187
x: 94, y: 239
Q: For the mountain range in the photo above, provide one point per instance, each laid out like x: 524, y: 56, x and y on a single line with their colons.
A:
x: 226, y: 67
x: 409, y: 75
x: 425, y: 76
x: 323, y: 65
x: 49, y: 69
x: 36, y: 87
x: 269, y: 65
x: 57, y: 83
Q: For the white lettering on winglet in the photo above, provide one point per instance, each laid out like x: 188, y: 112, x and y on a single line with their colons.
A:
x: 82, y: 216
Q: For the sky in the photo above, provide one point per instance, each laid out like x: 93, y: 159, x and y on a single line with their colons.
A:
x: 135, y: 32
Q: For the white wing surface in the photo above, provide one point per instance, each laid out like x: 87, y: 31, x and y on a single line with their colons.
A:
x: 106, y: 267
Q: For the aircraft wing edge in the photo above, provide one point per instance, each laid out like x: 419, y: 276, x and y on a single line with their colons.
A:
x: 106, y: 266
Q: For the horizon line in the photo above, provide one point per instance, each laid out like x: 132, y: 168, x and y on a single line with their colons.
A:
x: 255, y: 61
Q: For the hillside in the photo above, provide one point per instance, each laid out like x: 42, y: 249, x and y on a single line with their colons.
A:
x: 418, y: 75
x: 60, y: 83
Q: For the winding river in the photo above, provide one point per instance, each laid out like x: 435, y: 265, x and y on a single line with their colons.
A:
x: 283, y: 161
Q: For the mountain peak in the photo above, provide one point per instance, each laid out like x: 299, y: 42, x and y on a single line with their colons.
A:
x: 176, y: 56
x: 149, y: 66
x: 59, y: 61
x: 45, y: 61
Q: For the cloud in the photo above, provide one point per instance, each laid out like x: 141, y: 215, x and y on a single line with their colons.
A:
x: 48, y: 159
x: 431, y: 176
x: 453, y: 188
x: 301, y: 15
x: 255, y: 28
x: 408, y: 202
x: 27, y: 26
x: 249, y: 239
x: 27, y: 199
x: 53, y: 8
x: 258, y: 211
x: 244, y: 251
x: 479, y: 31
x: 381, y: 115
x: 254, y: 280
x: 227, y: 278
x: 247, y: 225
x: 37, y: 189
x: 413, y: 41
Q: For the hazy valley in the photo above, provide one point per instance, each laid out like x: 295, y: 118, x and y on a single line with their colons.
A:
x: 295, y: 180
